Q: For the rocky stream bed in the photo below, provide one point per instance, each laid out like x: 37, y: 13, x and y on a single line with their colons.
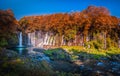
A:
x: 105, y: 66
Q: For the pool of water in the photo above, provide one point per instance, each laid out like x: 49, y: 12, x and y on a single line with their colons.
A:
x: 20, y: 50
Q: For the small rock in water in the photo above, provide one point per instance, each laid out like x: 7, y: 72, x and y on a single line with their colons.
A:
x: 115, y: 63
x: 100, y: 64
x: 104, y: 58
x: 115, y: 69
x: 78, y: 62
x: 82, y: 67
x: 38, y: 49
x: 99, y: 73
x: 46, y: 58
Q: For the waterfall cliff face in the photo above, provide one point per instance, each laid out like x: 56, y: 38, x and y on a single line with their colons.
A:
x: 46, y: 39
x: 43, y: 39
x: 40, y: 39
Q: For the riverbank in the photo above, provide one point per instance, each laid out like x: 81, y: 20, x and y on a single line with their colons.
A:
x: 84, y: 63
x: 58, y: 62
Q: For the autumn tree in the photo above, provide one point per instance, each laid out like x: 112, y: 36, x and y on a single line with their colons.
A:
x: 8, y: 27
x: 91, y: 24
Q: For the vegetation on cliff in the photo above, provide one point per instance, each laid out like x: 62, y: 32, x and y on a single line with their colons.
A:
x: 8, y: 27
x: 93, y: 27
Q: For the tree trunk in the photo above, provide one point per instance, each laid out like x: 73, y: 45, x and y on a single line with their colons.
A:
x: 62, y: 40
x: 75, y: 40
x: 81, y: 40
x: 105, y: 42
x: 119, y: 43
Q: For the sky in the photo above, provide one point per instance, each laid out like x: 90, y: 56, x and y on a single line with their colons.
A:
x: 23, y: 8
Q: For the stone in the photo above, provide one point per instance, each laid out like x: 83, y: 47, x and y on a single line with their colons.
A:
x: 82, y: 67
x: 101, y: 64
x: 38, y: 49
x: 78, y: 62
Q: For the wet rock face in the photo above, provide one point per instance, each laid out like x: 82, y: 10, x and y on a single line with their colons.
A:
x: 38, y: 49
x: 115, y: 58
x: 115, y: 67
x: 61, y: 63
x: 100, y: 68
x: 64, y: 66
x: 37, y: 58
x: 8, y: 53
x: 86, y: 66
x: 38, y: 55
x: 57, y: 54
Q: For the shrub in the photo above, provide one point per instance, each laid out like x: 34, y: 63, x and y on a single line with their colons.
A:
x: 3, y: 42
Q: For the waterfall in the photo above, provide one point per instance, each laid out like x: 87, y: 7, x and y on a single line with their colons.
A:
x: 54, y: 40
x: 51, y: 40
x: 20, y: 39
x: 29, y: 39
x: 32, y: 38
x: 46, y: 38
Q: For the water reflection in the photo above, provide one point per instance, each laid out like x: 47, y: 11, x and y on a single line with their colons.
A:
x: 21, y: 51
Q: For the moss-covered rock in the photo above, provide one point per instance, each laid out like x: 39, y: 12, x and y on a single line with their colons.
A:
x: 57, y: 54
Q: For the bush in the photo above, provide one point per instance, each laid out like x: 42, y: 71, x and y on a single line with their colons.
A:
x: 12, y: 39
x: 97, y: 44
x: 3, y: 42
x: 113, y: 50
x: 57, y: 54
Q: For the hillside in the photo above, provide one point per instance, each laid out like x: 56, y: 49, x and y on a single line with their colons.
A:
x: 93, y: 27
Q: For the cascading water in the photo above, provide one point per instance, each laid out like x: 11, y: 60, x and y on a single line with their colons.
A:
x: 29, y: 39
x: 46, y: 38
x: 20, y: 40
x: 20, y: 46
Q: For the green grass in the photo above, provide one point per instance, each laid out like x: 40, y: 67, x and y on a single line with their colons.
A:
x: 97, y: 53
x: 57, y: 53
x: 75, y: 51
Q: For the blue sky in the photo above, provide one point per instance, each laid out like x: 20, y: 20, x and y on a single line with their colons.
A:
x: 37, y: 7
